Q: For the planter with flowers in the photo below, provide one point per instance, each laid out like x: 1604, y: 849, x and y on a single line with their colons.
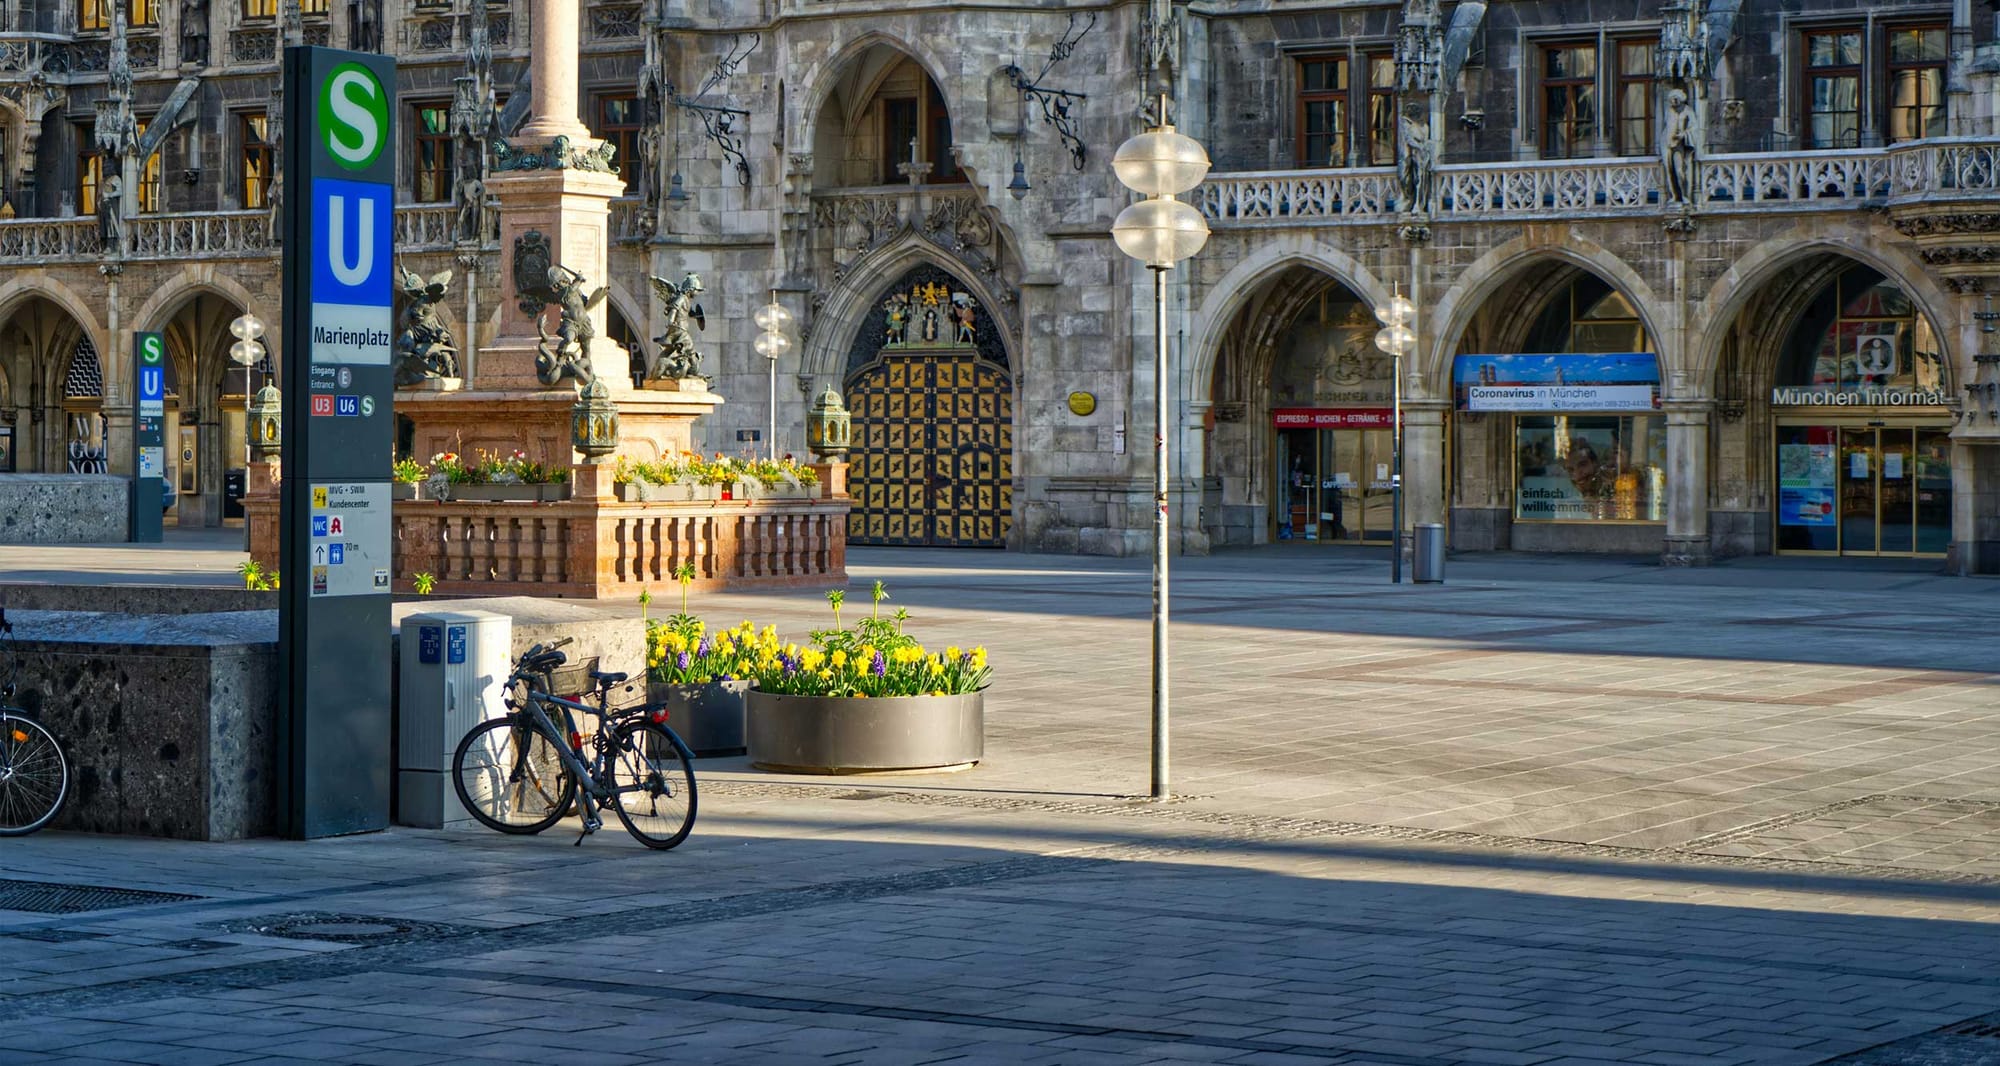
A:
x: 692, y: 478
x: 868, y: 698
x: 490, y: 476
x: 406, y: 480
x: 701, y: 676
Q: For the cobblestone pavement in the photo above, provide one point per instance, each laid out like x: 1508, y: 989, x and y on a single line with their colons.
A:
x: 1550, y: 812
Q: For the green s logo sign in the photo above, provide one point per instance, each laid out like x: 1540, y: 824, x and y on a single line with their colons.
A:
x: 353, y: 115
x: 149, y: 349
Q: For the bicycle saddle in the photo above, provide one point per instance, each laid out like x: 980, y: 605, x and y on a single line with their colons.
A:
x: 604, y: 678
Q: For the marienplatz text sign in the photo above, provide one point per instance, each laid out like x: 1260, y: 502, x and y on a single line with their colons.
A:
x: 149, y: 435
x: 339, y: 175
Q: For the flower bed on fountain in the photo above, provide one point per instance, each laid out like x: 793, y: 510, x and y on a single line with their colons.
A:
x: 490, y: 477
x: 689, y: 476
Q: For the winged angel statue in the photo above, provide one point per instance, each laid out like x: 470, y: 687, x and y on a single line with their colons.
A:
x: 425, y: 347
x: 677, y: 356
x: 566, y: 352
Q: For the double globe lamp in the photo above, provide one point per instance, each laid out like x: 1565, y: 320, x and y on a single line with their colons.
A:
x: 1396, y: 338
x: 1160, y: 231
x: 772, y: 319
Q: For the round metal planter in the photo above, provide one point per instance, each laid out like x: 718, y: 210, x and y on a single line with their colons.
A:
x: 708, y: 717
x: 829, y: 735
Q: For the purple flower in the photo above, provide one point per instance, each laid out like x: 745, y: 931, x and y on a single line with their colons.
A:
x: 790, y: 664
x: 682, y: 660
x: 702, y: 648
x: 879, y: 665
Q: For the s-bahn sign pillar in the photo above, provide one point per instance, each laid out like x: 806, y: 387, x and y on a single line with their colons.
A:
x: 339, y: 173
x: 149, y: 436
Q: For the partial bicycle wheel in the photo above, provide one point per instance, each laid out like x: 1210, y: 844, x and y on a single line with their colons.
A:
x: 511, y: 777
x: 652, y: 782
x: 34, y: 777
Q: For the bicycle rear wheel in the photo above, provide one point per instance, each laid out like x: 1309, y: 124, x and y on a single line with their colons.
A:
x: 34, y: 777
x: 652, y: 780
x: 511, y: 777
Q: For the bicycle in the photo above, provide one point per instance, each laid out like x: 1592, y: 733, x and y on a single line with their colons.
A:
x: 34, y: 776
x: 521, y: 774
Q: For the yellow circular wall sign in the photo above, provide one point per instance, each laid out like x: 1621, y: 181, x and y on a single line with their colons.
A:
x: 1082, y: 403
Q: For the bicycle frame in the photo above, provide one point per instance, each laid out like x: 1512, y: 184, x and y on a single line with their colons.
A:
x: 592, y: 777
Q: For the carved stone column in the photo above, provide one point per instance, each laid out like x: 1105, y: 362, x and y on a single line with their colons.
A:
x: 1426, y: 481
x: 1687, y: 484
x: 553, y: 112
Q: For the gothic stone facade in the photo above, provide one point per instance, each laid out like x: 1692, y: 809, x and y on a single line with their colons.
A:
x: 1490, y: 161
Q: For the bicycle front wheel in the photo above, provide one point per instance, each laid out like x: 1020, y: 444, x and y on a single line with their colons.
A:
x: 652, y: 782
x: 512, y: 778
x: 34, y: 778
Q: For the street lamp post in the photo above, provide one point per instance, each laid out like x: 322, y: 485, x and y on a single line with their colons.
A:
x: 245, y: 352
x: 1160, y: 231
x: 772, y: 318
x: 1396, y: 338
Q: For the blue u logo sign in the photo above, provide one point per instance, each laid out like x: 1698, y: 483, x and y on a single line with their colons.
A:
x: 352, y: 221
x: 152, y: 383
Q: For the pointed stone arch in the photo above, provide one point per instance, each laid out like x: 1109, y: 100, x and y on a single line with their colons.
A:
x: 840, y: 315
x: 1230, y: 294
x: 826, y: 75
x: 1750, y: 276
x: 1454, y: 313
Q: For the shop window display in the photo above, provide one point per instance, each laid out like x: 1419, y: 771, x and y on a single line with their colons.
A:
x: 1590, y: 468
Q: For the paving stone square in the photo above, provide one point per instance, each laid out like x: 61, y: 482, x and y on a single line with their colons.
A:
x: 1464, y: 823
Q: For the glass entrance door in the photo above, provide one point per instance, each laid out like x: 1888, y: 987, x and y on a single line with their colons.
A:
x: 1334, y: 485
x: 1891, y: 489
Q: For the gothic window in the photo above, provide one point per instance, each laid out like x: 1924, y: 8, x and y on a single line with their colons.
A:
x: 312, y: 7
x: 1382, y: 109
x: 152, y: 197
x: 252, y: 129
x: 1636, y: 95
x: 1568, y: 99
x: 924, y: 120
x: 93, y: 14
x: 1323, y: 89
x: 433, y: 155
x: 1833, y: 88
x: 89, y: 168
x: 260, y: 9
x: 1917, y: 58
x: 142, y: 12
x: 615, y: 119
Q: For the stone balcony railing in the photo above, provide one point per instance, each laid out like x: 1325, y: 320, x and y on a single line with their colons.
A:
x: 1566, y: 188
x: 209, y: 235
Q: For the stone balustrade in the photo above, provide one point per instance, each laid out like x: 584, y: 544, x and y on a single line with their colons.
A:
x: 204, y: 235
x: 595, y: 549
x: 1572, y: 188
x: 41, y: 240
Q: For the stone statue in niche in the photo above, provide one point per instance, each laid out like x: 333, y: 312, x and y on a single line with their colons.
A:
x: 677, y: 356
x: 1677, y: 138
x: 1416, y: 164
x: 896, y: 331
x: 566, y: 352
x: 962, y: 313
x: 425, y: 348
x: 194, y: 33
x: 111, y: 213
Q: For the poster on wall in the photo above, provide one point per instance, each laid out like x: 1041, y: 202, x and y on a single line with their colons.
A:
x: 1805, y: 484
x: 1531, y: 384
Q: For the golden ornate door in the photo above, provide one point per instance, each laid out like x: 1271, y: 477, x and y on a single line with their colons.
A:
x: 933, y: 455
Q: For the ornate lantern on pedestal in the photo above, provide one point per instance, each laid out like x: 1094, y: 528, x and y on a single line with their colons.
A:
x: 593, y: 425
x: 829, y: 431
x: 265, y: 420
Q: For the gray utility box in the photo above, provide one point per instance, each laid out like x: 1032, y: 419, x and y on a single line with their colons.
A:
x: 454, y: 675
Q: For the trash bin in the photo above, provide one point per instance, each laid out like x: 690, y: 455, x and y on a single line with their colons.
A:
x: 1427, y: 559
